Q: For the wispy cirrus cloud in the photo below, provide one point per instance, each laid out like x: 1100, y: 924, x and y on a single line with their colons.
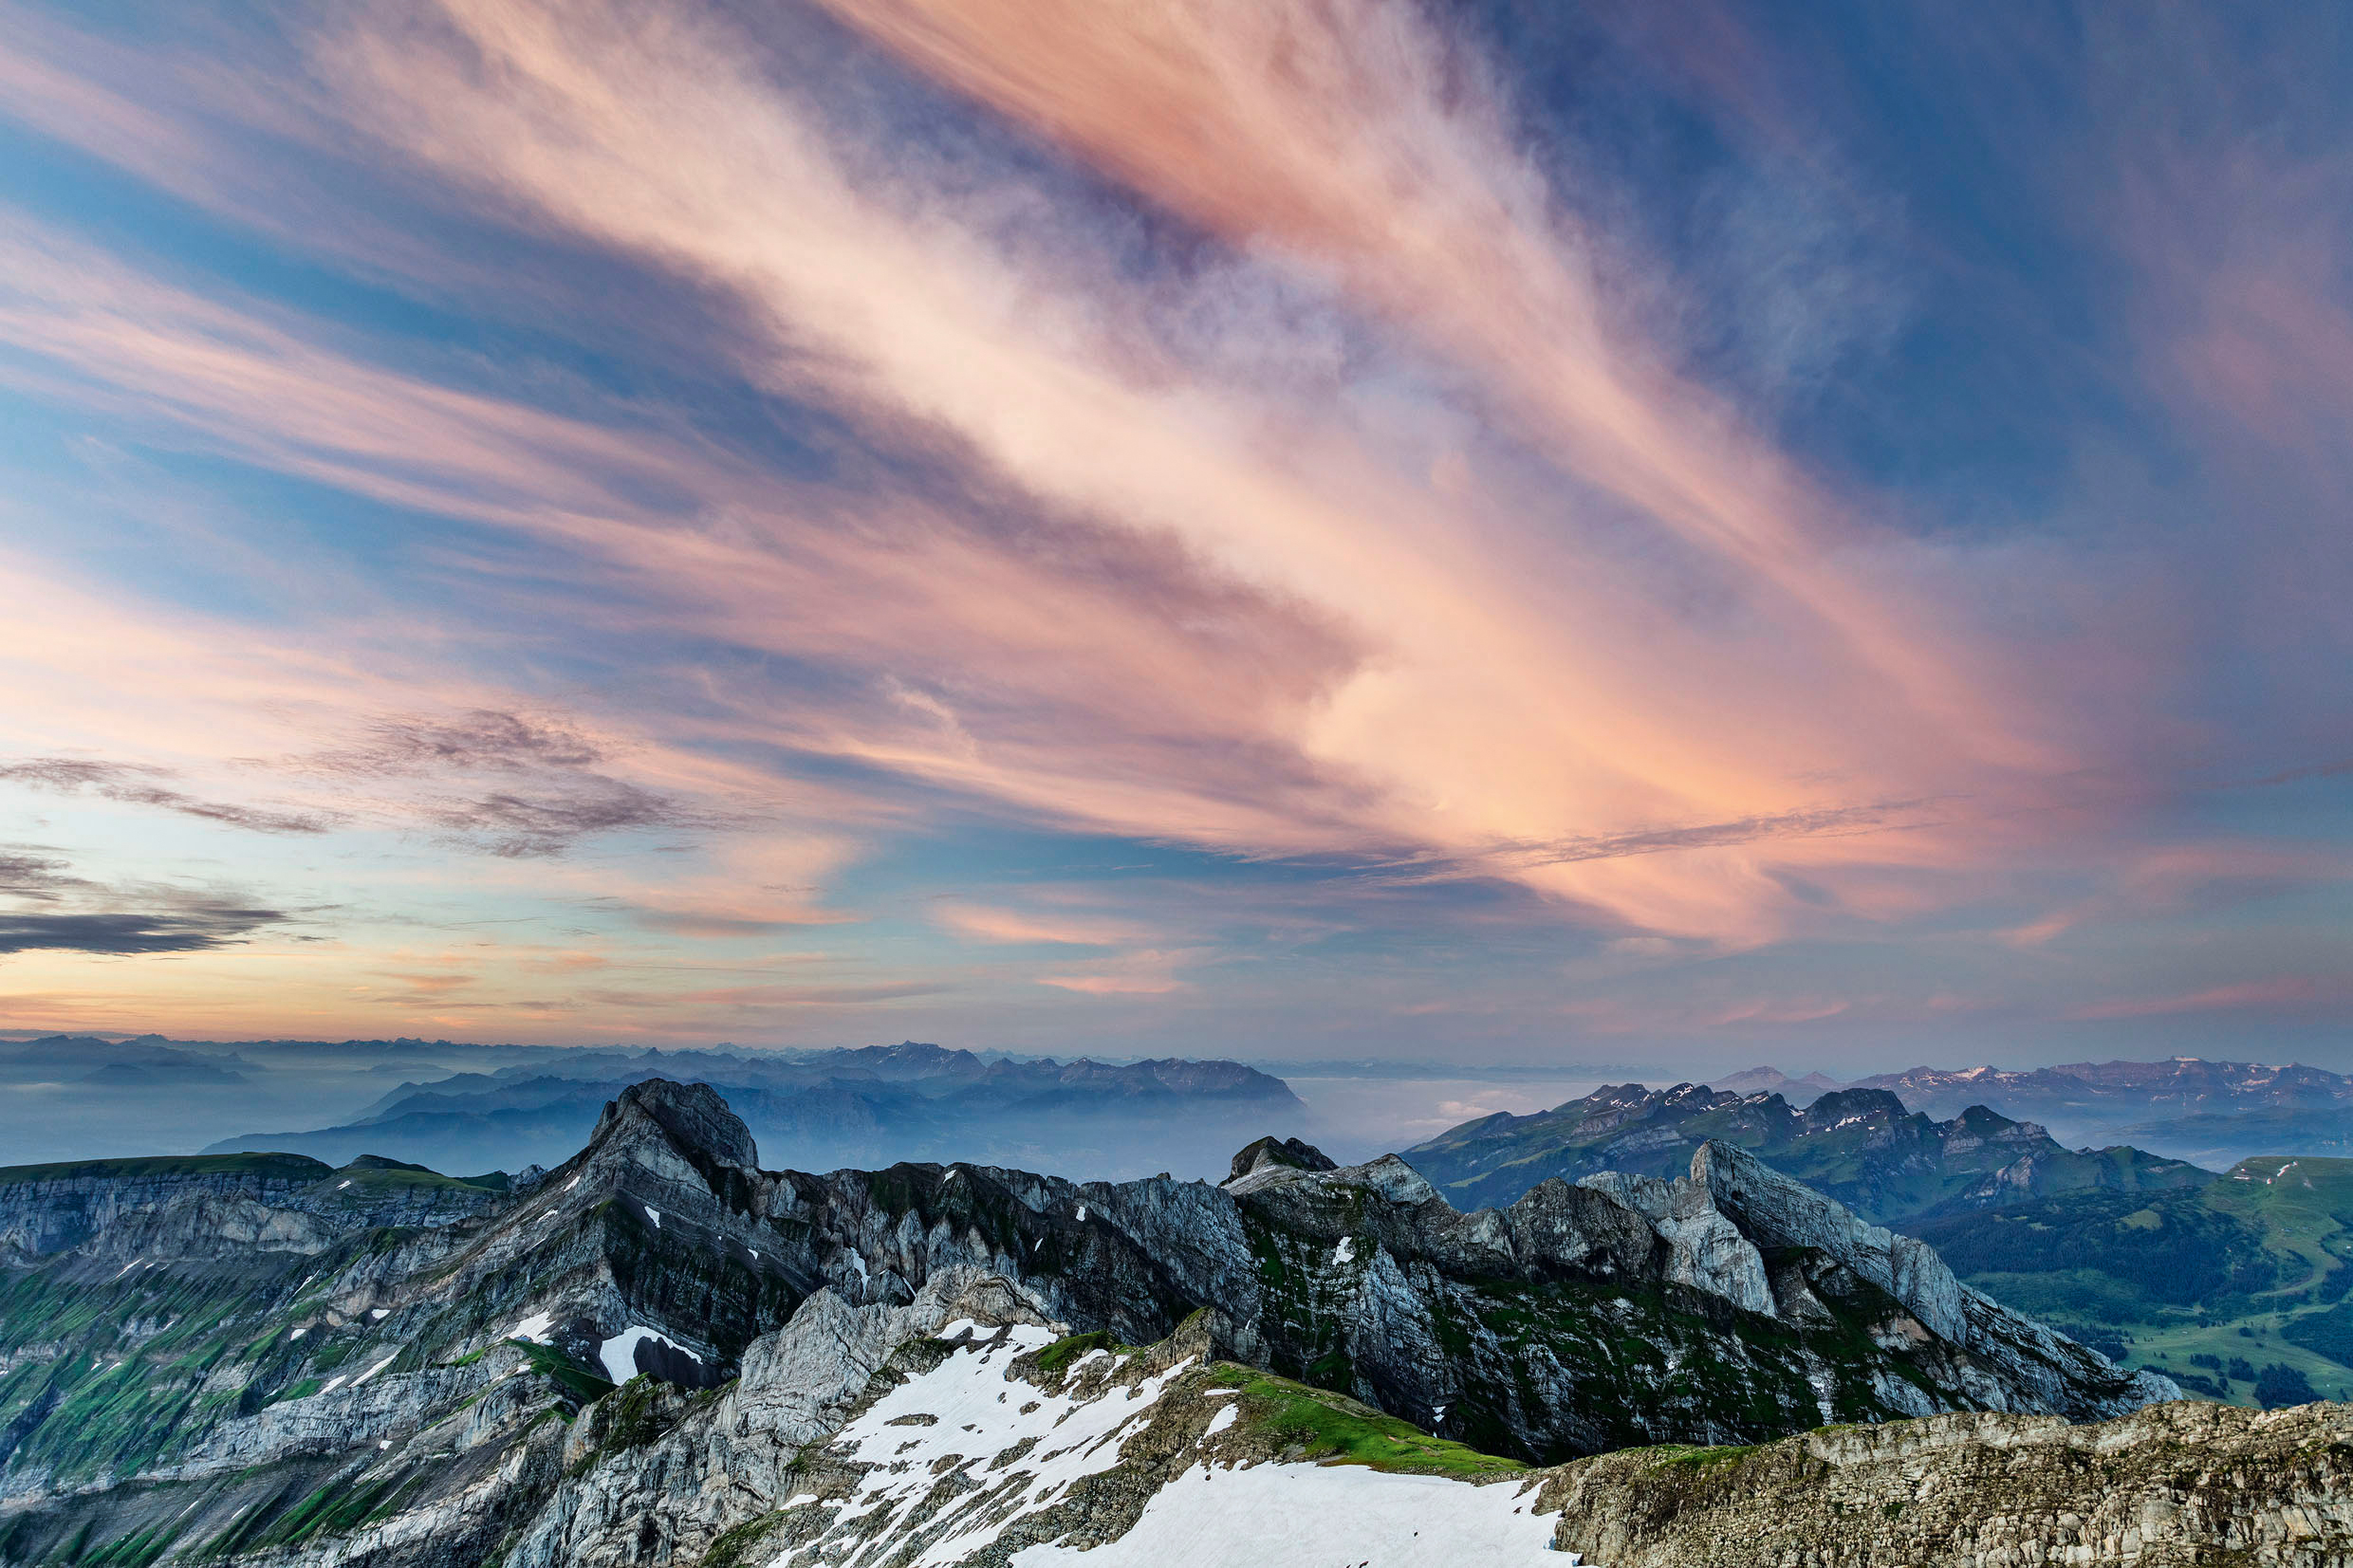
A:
x: 137, y: 784
x: 1485, y: 683
x: 1251, y: 428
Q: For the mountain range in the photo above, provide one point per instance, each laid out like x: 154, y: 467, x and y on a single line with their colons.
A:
x: 464, y: 1107
x: 870, y: 1106
x: 1861, y: 1146
x: 2213, y: 1113
x: 660, y: 1351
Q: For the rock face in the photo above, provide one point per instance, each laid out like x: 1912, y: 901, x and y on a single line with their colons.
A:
x: 298, y: 1382
x: 1858, y: 1145
x: 2173, y: 1484
x: 48, y: 1208
x: 52, y: 1208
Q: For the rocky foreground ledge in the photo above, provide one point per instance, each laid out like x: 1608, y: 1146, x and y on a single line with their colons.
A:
x: 2172, y: 1484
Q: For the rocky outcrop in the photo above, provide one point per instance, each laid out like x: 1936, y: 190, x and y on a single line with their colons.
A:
x: 50, y: 1208
x: 2163, y: 1487
x: 1269, y: 1154
x: 196, y: 1206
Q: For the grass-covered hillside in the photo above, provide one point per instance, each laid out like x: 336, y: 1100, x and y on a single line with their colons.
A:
x: 2216, y: 1287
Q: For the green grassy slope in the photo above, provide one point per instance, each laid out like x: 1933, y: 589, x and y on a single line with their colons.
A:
x: 2253, y: 1270
x: 289, y: 1166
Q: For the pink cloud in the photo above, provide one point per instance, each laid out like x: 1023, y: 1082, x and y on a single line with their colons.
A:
x: 2286, y: 993
x: 1112, y: 984
x: 990, y: 923
x: 1226, y: 619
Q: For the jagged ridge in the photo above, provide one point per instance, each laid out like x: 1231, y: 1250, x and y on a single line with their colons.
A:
x: 1727, y: 1304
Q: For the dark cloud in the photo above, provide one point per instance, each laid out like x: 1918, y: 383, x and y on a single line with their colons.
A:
x: 484, y: 738
x: 56, y: 909
x: 186, y: 930
x: 526, y: 826
x: 136, y: 784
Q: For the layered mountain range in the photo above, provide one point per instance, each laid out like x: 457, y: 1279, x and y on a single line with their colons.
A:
x: 661, y: 1351
x: 1861, y: 1146
x: 2214, y: 1113
x: 874, y: 1105
x: 465, y: 1107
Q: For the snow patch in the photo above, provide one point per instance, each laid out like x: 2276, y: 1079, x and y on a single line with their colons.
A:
x: 334, y: 1383
x: 341, y: 1185
x: 950, y: 1330
x: 299, y: 1332
x: 373, y: 1370
x: 619, y: 1352
x: 977, y: 1415
x: 1082, y: 1213
x: 1226, y: 1415
x: 380, y: 1314
x: 1345, y: 1251
x: 533, y: 1328
x: 1280, y: 1514
x: 654, y: 1214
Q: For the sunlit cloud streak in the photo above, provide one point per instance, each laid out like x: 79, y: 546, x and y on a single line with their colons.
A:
x: 1317, y: 492
x: 1495, y: 704
x: 1356, y: 136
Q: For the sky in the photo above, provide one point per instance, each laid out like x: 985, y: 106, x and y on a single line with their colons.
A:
x: 1511, y: 532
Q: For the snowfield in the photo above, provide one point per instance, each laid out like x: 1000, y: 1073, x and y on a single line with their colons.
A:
x: 1320, y: 1515
x: 619, y: 1352
x: 1021, y: 1449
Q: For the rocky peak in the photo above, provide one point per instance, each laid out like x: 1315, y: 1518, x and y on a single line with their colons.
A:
x: 690, y: 1118
x: 1773, y: 1211
x: 1273, y: 1151
x: 1842, y: 1106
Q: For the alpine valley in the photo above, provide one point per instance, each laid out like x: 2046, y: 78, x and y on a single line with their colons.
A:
x: 659, y: 1352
